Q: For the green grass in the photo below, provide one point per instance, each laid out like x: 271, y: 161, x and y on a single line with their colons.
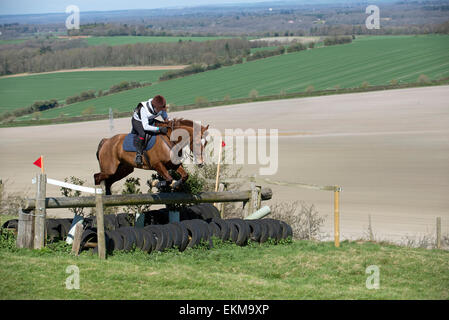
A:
x: 12, y: 41
x: 17, y: 92
x: 298, y: 270
x: 119, y: 40
x: 376, y: 60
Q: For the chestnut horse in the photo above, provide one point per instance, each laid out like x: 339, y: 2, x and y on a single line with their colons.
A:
x: 115, y: 163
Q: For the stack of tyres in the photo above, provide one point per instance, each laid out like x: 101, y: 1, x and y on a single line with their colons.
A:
x: 179, y: 235
x: 241, y: 231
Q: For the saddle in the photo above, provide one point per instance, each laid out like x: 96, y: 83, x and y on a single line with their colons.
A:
x: 129, y: 142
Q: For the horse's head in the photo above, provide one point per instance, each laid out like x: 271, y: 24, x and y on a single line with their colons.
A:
x: 198, y: 136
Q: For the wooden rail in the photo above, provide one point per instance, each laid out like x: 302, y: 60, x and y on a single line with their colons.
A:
x: 149, y: 198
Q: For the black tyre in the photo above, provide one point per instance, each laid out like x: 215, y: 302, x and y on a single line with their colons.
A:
x: 160, y: 235
x: 53, y: 229
x: 243, y: 231
x: 115, y: 240
x: 255, y: 230
x: 202, y: 211
x: 264, y: 232
x: 214, y: 230
x: 224, y: 228
x: 89, y: 235
x: 168, y: 235
x: 110, y: 222
x: 124, y: 220
x: 129, y: 238
x: 184, y: 235
x: 139, y: 237
x: 150, y: 241
x: 206, y: 232
x: 287, y: 231
x: 272, y: 229
x: 11, y: 224
x: 278, y: 228
x: 194, y: 233
x: 65, y: 227
x: 176, y: 234
x: 233, y: 231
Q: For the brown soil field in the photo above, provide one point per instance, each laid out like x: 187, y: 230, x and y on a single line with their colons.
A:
x: 389, y: 150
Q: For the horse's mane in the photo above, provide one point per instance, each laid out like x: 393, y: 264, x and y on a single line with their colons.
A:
x: 184, y: 122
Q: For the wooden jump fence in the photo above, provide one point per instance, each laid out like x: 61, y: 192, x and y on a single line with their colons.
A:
x: 31, y: 228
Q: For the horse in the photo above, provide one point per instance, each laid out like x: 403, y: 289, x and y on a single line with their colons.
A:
x: 115, y: 163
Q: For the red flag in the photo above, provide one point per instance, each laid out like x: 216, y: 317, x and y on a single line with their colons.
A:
x: 38, y: 162
x: 223, y: 144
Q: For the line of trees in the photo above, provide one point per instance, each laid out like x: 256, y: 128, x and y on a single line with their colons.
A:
x: 331, y: 41
x: 37, y: 106
x: 266, y: 53
x: 139, y: 54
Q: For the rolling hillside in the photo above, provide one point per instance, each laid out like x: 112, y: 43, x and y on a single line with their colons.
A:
x: 18, y: 92
x: 376, y: 60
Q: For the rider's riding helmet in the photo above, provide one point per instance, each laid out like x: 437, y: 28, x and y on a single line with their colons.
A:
x: 158, y: 103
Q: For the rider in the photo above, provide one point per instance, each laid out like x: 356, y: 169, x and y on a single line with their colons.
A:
x: 143, y: 121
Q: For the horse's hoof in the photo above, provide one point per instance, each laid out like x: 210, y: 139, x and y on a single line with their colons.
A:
x: 175, y: 184
x: 161, y: 184
x: 154, y: 183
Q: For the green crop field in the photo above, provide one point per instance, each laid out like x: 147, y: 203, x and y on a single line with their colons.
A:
x: 376, y: 60
x: 17, y: 92
x: 119, y: 40
x: 12, y: 41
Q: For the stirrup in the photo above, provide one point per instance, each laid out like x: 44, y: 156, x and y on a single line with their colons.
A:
x: 139, y: 160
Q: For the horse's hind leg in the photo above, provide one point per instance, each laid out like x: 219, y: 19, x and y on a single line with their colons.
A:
x: 121, y: 172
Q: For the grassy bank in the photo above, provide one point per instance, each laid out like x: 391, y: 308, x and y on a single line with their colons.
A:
x: 297, y: 270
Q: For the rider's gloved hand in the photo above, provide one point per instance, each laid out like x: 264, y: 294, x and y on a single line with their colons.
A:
x: 163, y: 130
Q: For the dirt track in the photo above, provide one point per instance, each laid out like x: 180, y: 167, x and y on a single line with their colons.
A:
x: 389, y: 151
x: 129, y: 68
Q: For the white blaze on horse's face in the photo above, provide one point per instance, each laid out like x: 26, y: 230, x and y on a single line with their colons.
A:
x: 198, y: 143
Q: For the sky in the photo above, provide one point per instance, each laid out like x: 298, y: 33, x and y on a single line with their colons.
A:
x: 58, y: 6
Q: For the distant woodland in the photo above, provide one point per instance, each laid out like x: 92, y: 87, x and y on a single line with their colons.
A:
x: 43, y: 52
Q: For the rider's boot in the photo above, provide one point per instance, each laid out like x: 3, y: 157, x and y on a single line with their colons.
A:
x: 140, y: 145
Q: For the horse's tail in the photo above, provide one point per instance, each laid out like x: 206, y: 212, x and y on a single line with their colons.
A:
x: 99, y: 147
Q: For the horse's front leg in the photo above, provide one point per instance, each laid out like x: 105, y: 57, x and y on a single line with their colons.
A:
x: 182, y: 172
x: 162, y: 170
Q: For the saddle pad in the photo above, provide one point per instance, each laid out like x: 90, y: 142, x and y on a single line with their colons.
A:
x: 128, y: 143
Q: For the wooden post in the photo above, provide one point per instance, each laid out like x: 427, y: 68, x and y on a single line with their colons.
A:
x: 100, y: 221
x: 218, y: 168
x: 40, y: 212
x: 77, y: 238
x: 370, y: 229
x: 438, y: 233
x: 1, y: 191
x: 253, y: 203
x: 25, y: 230
x: 337, y: 216
x: 220, y: 205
